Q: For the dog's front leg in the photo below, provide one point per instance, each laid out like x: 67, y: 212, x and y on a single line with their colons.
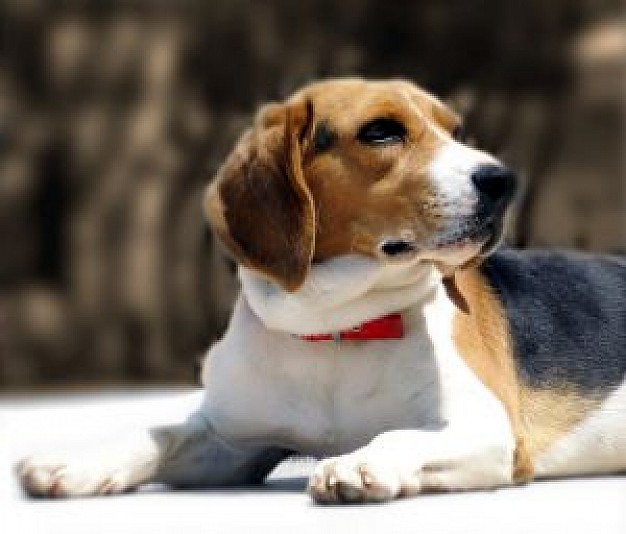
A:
x: 405, y: 462
x: 186, y: 454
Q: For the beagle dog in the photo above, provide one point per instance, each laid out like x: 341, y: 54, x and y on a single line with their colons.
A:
x: 376, y: 327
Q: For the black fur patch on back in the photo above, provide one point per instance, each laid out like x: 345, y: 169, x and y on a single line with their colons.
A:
x: 567, y: 316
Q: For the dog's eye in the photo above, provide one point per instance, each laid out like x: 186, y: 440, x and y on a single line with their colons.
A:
x: 459, y: 134
x: 382, y: 132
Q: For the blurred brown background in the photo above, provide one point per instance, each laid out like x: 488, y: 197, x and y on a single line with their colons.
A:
x: 114, y: 115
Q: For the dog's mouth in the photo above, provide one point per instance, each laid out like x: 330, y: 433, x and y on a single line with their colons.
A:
x: 476, y: 240
x: 471, y: 239
x: 485, y: 235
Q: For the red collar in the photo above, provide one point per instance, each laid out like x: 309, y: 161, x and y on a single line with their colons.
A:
x: 387, y: 327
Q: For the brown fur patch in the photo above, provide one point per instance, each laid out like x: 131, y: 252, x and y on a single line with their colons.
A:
x: 483, y: 340
x: 299, y: 185
x: 259, y: 204
x: 362, y: 193
x: 538, y: 417
x: 548, y: 415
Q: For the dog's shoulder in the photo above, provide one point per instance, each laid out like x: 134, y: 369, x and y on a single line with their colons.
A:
x: 566, y: 314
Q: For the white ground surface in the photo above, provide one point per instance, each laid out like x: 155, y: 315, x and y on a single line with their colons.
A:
x: 28, y: 424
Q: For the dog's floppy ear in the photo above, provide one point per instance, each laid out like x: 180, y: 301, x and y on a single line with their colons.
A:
x: 259, y: 203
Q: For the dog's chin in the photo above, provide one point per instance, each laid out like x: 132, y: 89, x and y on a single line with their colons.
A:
x: 466, y: 249
x: 454, y: 255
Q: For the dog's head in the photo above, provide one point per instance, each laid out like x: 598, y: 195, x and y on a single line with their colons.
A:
x: 349, y: 166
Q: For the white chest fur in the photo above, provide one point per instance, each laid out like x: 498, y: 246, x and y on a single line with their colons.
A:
x: 426, y: 421
x: 268, y: 386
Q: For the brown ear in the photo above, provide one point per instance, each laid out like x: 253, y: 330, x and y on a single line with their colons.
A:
x: 259, y: 204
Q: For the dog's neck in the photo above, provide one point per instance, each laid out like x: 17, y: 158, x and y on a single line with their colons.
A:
x: 339, y: 294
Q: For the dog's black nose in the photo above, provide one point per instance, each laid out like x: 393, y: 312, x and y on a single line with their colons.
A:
x: 496, y: 183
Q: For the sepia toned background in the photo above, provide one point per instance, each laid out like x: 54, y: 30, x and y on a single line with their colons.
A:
x: 115, y: 114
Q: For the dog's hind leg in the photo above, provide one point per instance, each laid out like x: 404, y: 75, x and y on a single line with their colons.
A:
x: 186, y: 454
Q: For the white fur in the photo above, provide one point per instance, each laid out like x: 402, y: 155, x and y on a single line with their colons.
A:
x: 451, y: 173
x: 410, y: 410
x: 337, y: 294
x: 352, y: 390
x: 594, y: 447
x: 451, y: 170
x: 389, y: 417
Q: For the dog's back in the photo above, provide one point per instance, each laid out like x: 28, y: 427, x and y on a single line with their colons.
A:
x: 567, y: 320
x: 567, y: 316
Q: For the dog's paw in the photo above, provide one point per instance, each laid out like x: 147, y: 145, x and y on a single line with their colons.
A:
x: 44, y: 477
x: 355, y: 478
